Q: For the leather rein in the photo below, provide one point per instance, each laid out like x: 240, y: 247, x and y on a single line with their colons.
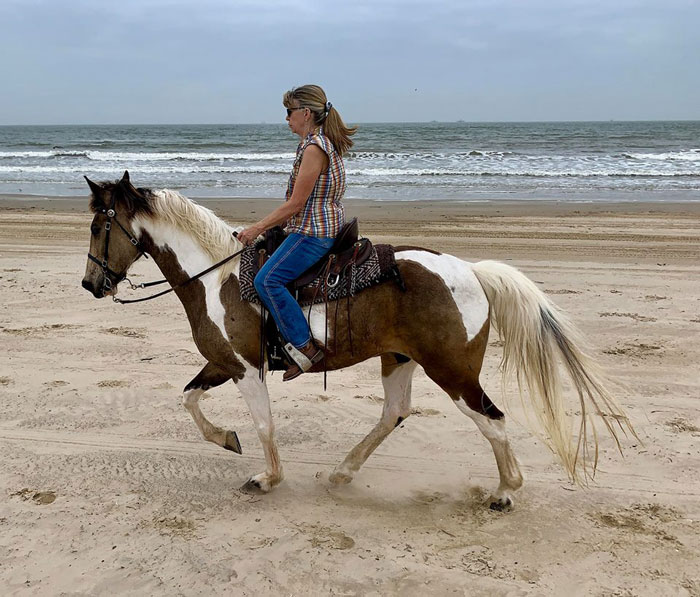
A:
x: 108, y: 285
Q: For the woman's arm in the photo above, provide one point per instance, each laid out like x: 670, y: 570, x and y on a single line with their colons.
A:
x: 313, y: 163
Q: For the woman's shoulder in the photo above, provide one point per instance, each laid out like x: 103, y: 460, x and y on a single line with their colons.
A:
x: 321, y: 140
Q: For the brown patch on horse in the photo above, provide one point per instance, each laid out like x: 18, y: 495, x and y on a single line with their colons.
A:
x: 219, y: 351
x: 385, y: 319
x: 400, y: 358
x: 209, y: 377
x: 473, y: 394
x: 242, y: 322
x: 445, y: 352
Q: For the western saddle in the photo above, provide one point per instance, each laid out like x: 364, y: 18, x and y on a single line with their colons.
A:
x: 347, y: 250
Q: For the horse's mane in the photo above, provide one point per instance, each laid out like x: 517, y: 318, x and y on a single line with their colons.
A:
x: 210, y: 232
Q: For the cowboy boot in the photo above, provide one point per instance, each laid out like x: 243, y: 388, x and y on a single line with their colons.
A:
x: 304, y: 358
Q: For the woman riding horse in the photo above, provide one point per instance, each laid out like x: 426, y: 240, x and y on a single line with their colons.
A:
x: 313, y: 214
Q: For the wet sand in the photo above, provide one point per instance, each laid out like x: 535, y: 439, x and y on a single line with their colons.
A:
x: 107, y: 486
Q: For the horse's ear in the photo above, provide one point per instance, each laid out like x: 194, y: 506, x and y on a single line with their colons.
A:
x: 134, y: 199
x: 94, y: 187
x: 97, y: 200
x: 125, y: 183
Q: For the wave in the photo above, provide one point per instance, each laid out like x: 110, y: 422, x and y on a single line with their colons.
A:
x: 372, y: 159
x: 150, y: 170
x: 115, y: 156
x: 25, y: 154
x: 61, y: 153
x: 397, y: 155
x: 691, y: 155
x: 105, y: 156
x: 393, y: 173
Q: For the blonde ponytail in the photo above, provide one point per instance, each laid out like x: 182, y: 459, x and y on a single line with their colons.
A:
x: 314, y: 98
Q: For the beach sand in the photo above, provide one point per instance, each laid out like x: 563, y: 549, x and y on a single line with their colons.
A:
x: 107, y: 487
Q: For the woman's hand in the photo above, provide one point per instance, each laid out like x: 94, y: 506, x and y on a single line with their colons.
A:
x: 249, y: 235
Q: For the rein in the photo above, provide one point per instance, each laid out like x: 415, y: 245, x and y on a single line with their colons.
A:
x: 185, y: 283
x: 106, y: 271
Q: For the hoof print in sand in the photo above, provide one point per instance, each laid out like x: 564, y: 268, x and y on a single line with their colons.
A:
x: 636, y: 349
x: 635, y: 316
x: 680, y: 425
x: 112, y: 383
x: 642, y: 519
x: 42, y: 498
x: 127, y: 332
x: 327, y: 537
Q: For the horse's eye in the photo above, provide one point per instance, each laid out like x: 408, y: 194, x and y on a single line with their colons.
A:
x: 95, y: 229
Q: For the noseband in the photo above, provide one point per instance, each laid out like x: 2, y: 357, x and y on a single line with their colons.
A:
x: 106, y: 271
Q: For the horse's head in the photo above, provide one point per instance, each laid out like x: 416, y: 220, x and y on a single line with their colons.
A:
x: 113, y: 246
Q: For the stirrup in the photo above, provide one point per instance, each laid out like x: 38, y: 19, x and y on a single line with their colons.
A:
x: 302, y: 362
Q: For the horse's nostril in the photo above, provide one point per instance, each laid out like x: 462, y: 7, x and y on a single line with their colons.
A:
x: 87, y: 285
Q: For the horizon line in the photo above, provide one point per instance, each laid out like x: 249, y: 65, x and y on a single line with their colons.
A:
x: 263, y: 122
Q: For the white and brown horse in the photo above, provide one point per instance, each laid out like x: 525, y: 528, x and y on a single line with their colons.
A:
x: 440, y: 322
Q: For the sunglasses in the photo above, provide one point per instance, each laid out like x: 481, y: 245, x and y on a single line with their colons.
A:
x: 290, y: 110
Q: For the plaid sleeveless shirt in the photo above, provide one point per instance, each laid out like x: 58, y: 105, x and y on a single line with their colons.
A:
x: 323, y: 213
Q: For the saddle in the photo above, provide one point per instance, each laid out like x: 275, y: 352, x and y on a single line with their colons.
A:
x: 347, y: 250
x: 351, y: 265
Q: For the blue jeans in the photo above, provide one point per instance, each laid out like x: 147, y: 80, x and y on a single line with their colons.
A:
x: 292, y: 258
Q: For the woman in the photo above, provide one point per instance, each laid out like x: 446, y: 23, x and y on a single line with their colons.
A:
x: 313, y: 214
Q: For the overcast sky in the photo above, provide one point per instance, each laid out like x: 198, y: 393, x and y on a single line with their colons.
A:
x: 229, y: 61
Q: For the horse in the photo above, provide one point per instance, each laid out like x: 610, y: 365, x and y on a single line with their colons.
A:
x: 440, y: 321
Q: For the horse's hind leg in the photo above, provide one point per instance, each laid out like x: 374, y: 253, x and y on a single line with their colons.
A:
x: 397, y: 373
x: 476, y: 405
x: 209, y: 377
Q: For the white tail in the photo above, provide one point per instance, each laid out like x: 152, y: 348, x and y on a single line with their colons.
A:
x: 535, y: 333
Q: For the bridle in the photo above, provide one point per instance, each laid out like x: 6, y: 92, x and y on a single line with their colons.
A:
x: 106, y: 271
x: 107, y: 284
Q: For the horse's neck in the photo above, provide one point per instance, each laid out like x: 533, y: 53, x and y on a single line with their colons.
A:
x: 180, y: 257
x: 178, y: 254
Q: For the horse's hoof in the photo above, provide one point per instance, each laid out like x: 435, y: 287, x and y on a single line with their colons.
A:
x: 253, y: 487
x: 501, y: 505
x: 231, y: 442
x: 338, y: 478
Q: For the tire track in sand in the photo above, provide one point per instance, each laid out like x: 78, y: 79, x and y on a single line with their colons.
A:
x: 203, y: 461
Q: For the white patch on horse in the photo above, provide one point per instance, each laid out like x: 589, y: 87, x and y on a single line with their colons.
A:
x: 459, y: 277
x: 317, y: 321
x: 192, y: 259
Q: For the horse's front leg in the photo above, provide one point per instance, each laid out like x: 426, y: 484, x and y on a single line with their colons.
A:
x: 254, y: 392
x: 209, y: 377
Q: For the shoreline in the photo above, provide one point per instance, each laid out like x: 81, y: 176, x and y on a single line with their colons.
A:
x: 244, y: 208
x: 631, y: 233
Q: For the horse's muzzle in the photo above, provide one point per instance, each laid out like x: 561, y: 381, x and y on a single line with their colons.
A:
x: 96, y: 292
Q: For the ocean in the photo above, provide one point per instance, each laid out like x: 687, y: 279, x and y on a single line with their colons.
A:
x: 460, y: 161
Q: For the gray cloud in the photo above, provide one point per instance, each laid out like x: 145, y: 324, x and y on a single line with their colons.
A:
x: 222, y: 61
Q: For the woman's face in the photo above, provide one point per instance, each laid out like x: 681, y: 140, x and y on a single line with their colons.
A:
x: 297, y: 119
